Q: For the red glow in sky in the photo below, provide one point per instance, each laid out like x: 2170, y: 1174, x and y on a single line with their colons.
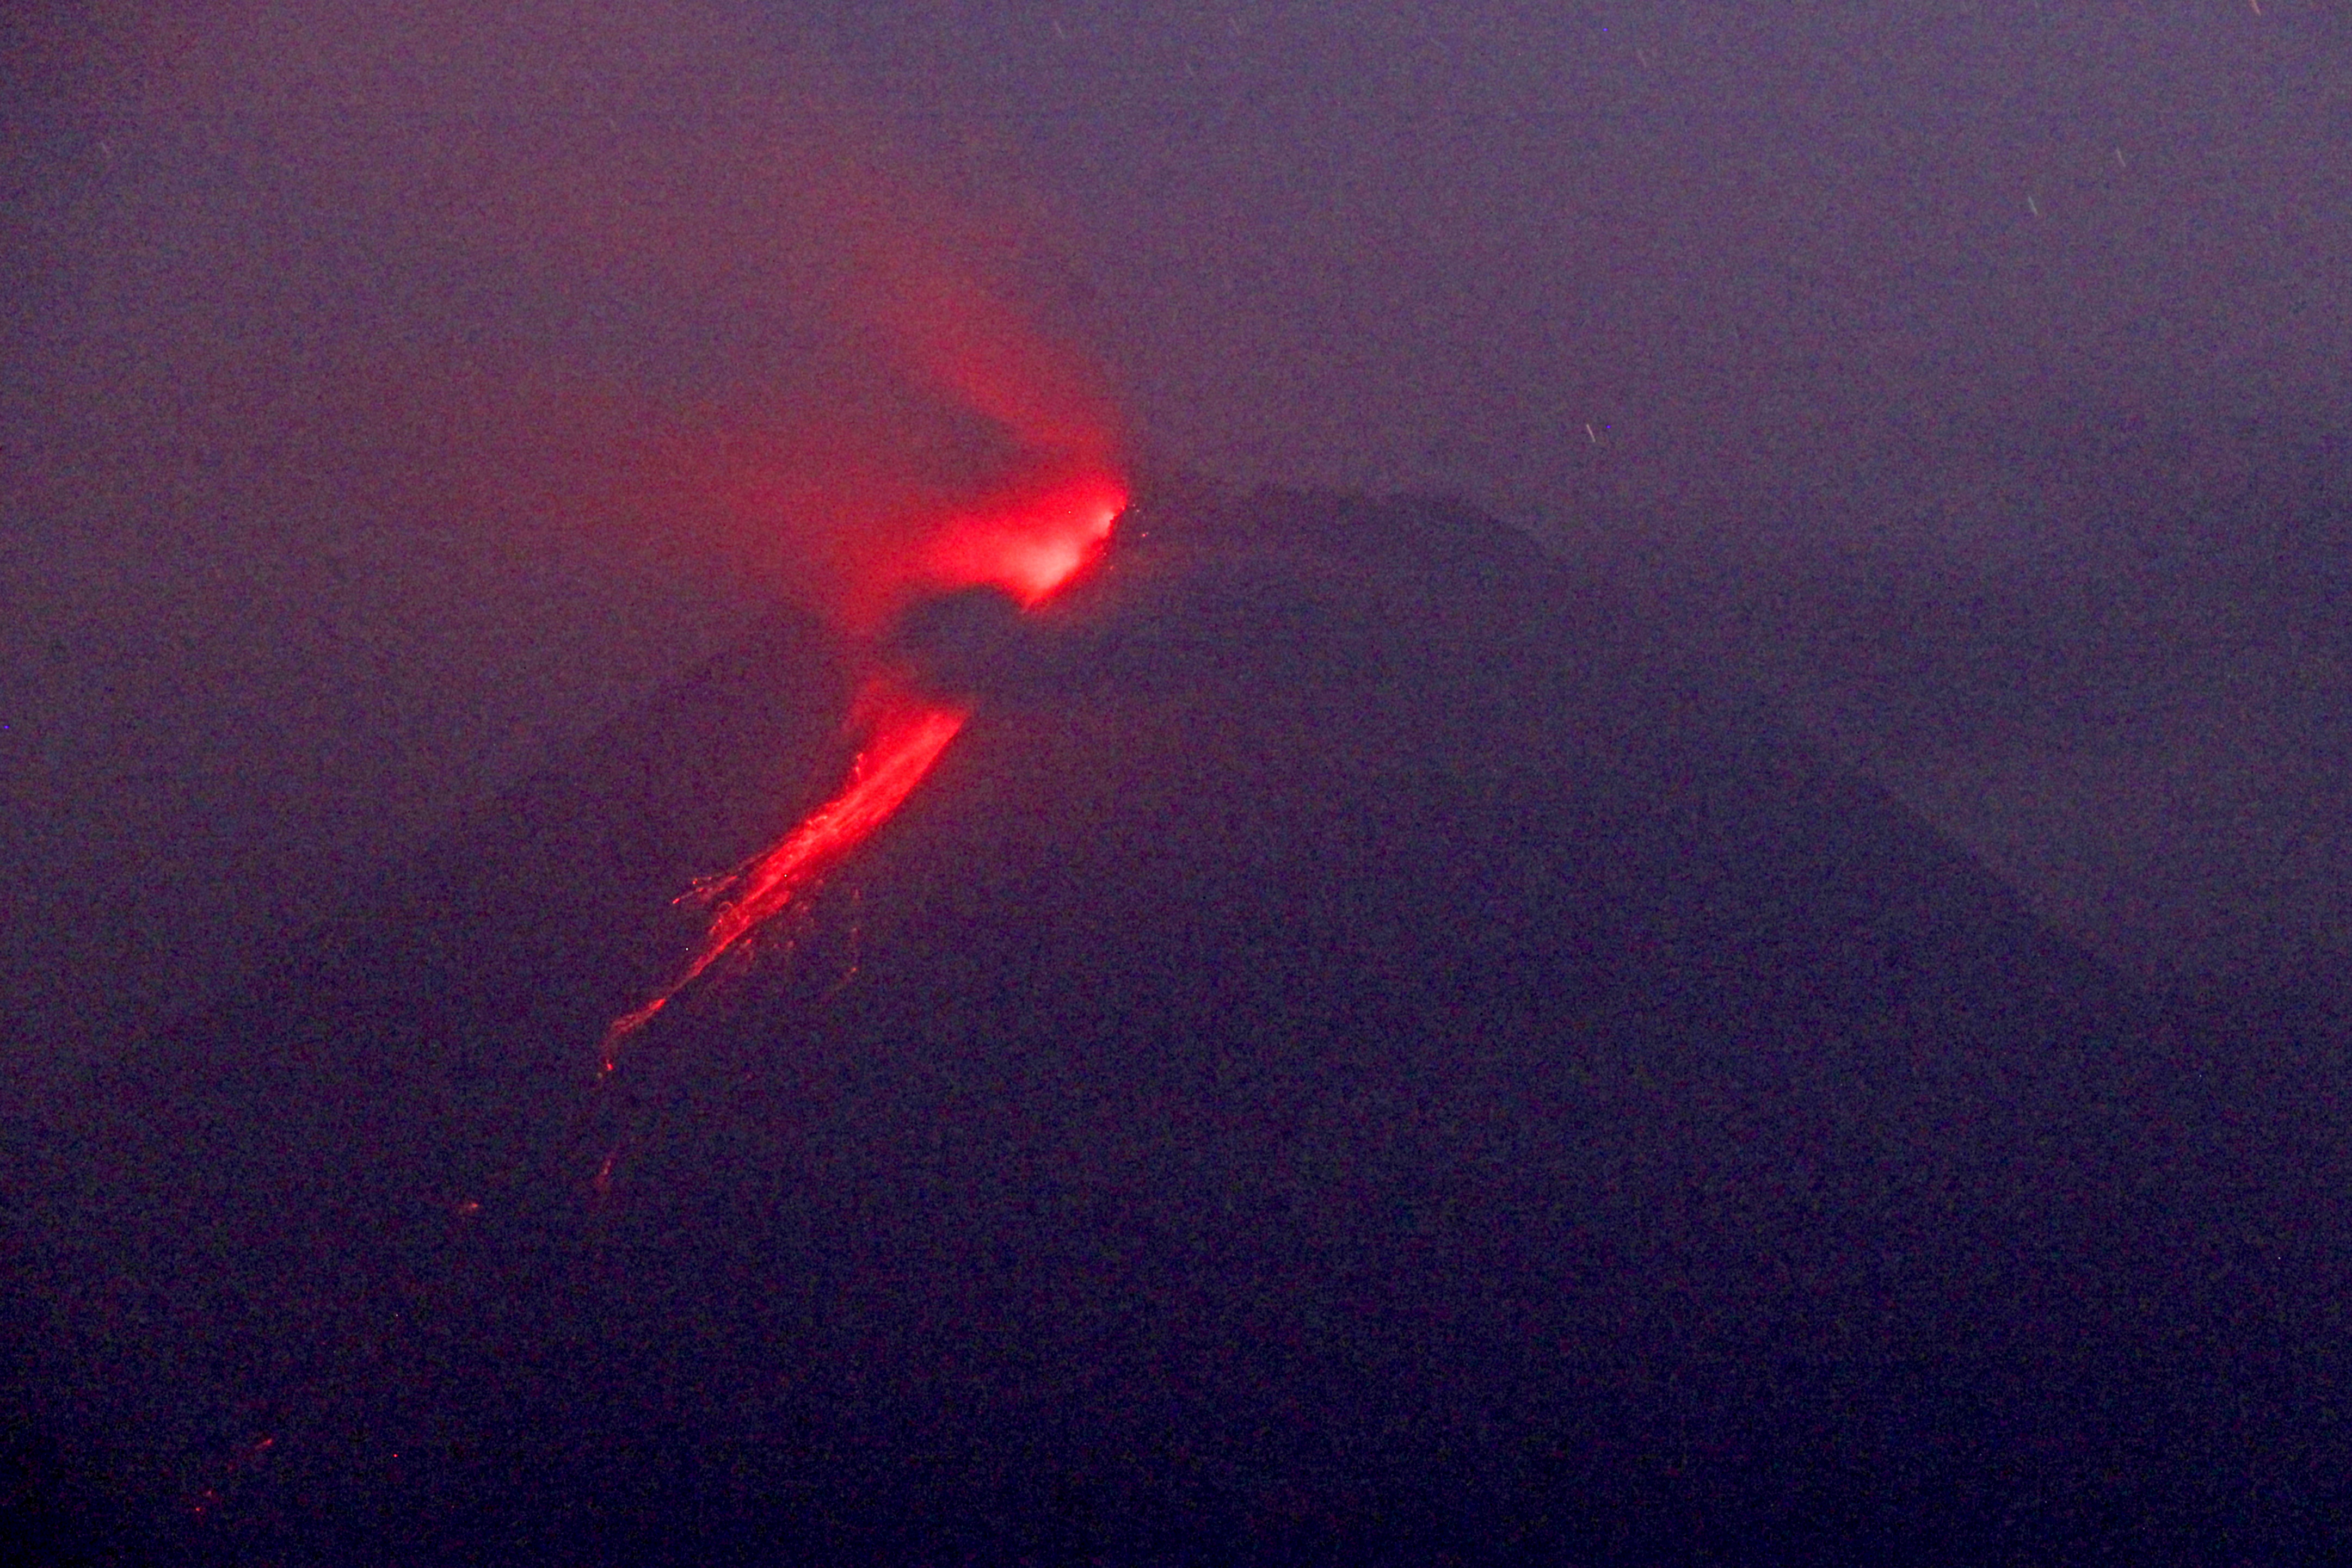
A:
x: 1030, y: 537
x: 888, y: 414
x: 1030, y: 542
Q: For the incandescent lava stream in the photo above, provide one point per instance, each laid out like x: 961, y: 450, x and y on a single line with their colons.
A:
x: 983, y: 566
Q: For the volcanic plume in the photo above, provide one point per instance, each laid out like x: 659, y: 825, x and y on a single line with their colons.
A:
x: 815, y: 364
x: 401, y: 386
x: 1042, y: 514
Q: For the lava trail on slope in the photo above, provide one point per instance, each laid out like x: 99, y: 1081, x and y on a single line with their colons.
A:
x: 1030, y: 541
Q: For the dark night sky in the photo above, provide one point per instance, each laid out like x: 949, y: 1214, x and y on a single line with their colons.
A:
x: 389, y: 399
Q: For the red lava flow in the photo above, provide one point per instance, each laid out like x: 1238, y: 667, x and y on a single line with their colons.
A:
x: 1030, y: 541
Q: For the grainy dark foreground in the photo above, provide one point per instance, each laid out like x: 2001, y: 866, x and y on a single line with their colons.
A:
x: 1358, y: 1053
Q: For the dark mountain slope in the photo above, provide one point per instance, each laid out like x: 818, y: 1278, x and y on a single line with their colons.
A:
x: 1360, y: 1050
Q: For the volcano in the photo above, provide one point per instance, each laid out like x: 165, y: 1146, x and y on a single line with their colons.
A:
x: 1359, y: 1050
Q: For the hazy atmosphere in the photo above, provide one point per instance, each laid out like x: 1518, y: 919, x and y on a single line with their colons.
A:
x: 1554, y: 783
x: 396, y: 392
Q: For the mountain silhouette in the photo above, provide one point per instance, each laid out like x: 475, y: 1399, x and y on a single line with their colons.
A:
x: 1361, y: 1050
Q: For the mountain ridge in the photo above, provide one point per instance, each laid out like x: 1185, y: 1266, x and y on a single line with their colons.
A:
x: 1336, y: 1061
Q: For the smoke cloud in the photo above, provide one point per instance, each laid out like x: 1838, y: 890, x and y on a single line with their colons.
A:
x: 397, y: 387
